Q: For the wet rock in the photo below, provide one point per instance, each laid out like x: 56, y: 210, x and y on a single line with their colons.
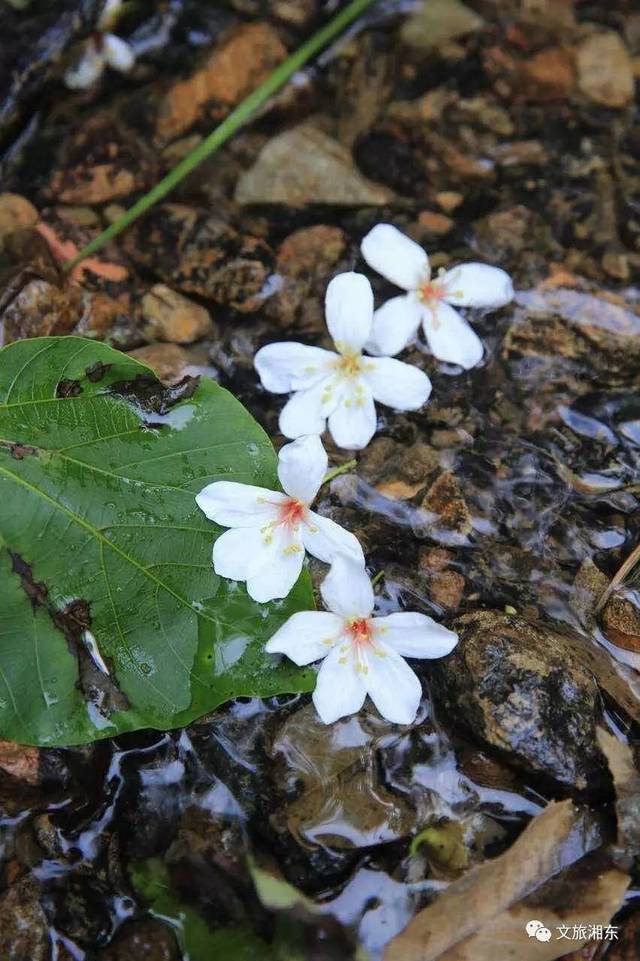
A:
x: 143, y: 940
x: 41, y: 309
x: 170, y: 316
x: 24, y: 929
x: 305, y: 166
x: 230, y: 72
x: 100, y: 162
x: 621, y: 620
x: 434, y: 223
x: 504, y: 234
x: 588, y: 587
x: 446, y: 500
x: 20, y: 761
x: 566, y: 329
x: 16, y: 212
x: 439, y: 21
x: 447, y: 589
x: 305, y: 262
x: 201, y: 254
x: 605, y: 69
x: 517, y: 688
x: 168, y: 361
x: 548, y: 75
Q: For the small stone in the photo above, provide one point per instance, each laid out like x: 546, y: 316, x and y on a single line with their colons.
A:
x: 521, y: 153
x: 518, y: 688
x: 16, y: 212
x: 24, y: 928
x: 167, y: 361
x: 615, y: 263
x: 171, y: 316
x: 588, y: 587
x: 438, y: 21
x: 42, y: 309
x: 20, y: 761
x: 445, y: 499
x: 605, y: 69
x: 447, y: 589
x: 145, y: 940
x: 234, y: 68
x: 305, y: 262
x: 434, y: 223
x: 548, y: 75
x: 399, y: 490
x: 305, y: 166
x: 449, y: 200
x: 621, y: 622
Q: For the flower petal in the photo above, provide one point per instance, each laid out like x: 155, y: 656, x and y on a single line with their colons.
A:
x: 306, y: 636
x: 349, y: 310
x: 307, y: 411
x: 353, y: 421
x: 117, y: 53
x: 238, y: 505
x: 340, y: 688
x: 392, y: 685
x: 283, y: 568
x: 288, y: 366
x: 84, y: 73
x: 415, y: 635
x: 394, y: 325
x: 477, y: 285
x: 347, y: 590
x: 450, y: 337
x: 325, y: 539
x: 240, y: 552
x: 397, y: 385
x: 302, y: 466
x: 395, y: 256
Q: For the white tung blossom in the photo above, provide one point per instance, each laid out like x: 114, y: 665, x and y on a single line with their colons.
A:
x: 102, y: 49
x: 270, y: 531
x: 429, y: 300
x: 340, y: 387
x: 362, y: 654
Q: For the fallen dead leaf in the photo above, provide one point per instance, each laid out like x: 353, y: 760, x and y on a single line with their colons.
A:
x: 626, y: 780
x: 487, y: 891
x: 64, y: 250
x: 399, y: 490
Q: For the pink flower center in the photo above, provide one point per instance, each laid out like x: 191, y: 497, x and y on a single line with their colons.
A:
x: 360, y: 632
x: 429, y: 291
x: 291, y: 512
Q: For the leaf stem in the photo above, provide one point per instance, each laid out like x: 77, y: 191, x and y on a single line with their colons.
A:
x: 242, y: 113
x: 377, y: 578
x: 336, y: 471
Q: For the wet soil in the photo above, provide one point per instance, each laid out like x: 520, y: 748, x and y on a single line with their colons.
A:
x: 500, y: 130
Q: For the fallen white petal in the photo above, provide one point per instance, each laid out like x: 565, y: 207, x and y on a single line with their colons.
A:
x: 353, y: 421
x: 117, y: 53
x: 109, y: 14
x: 238, y: 505
x: 394, y: 325
x: 277, y: 578
x: 325, y: 539
x: 397, y: 385
x: 307, y: 411
x: 347, y: 590
x: 302, y: 466
x: 306, y: 636
x: 88, y: 69
x: 392, y: 685
x: 477, y: 285
x: 450, y: 338
x: 340, y: 689
x: 395, y: 256
x: 415, y: 635
x: 241, y: 552
x: 349, y: 311
x: 287, y: 366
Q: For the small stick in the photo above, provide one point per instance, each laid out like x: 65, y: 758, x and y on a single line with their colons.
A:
x: 625, y: 568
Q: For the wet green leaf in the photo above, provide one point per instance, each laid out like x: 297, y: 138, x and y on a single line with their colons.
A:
x: 111, y: 617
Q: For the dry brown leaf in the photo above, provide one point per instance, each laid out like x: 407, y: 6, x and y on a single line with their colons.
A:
x: 626, y: 780
x: 488, y: 890
x: 566, y: 901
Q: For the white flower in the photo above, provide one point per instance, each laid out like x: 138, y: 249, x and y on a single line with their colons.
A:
x: 428, y: 299
x: 101, y: 50
x: 270, y: 531
x: 340, y: 387
x: 362, y: 654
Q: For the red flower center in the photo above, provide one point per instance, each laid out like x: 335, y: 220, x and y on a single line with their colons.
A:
x: 360, y: 631
x: 292, y: 512
x: 430, y: 291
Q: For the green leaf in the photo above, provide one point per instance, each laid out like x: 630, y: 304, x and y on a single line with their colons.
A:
x: 105, y: 559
